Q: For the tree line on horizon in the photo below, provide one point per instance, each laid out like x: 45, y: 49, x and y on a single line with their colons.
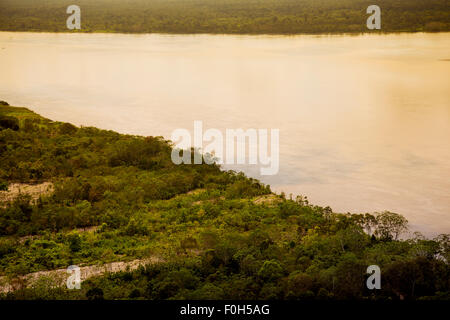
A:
x: 226, y: 16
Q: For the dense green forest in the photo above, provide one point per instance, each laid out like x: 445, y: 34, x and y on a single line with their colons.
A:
x: 217, y: 234
x: 225, y: 16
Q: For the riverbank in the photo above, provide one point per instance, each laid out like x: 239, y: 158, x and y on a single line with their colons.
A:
x: 318, y: 90
x: 140, y: 226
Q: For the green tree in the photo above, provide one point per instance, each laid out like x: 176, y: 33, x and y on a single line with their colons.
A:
x: 271, y: 270
x: 390, y: 225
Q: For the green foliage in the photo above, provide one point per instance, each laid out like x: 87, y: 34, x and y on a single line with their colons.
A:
x: 136, y: 227
x: 3, y: 185
x: 390, y: 225
x: 270, y: 270
x: 94, y: 294
x: 67, y: 128
x: 74, y: 242
x: 119, y: 198
x: 9, y: 123
x: 226, y: 16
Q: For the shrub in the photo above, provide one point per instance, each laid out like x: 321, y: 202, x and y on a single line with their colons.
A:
x: 3, y: 186
x: 94, y: 294
x: 270, y: 270
x: 67, y: 128
x: 9, y: 123
x: 74, y: 242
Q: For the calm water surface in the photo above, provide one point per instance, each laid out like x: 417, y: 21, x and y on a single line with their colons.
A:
x: 364, y: 121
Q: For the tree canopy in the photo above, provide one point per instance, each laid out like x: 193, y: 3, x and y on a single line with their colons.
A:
x: 226, y: 16
x: 215, y: 234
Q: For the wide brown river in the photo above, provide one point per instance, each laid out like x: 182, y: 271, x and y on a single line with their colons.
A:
x: 364, y: 120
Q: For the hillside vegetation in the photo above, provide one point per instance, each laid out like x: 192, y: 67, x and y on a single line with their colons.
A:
x: 226, y: 16
x: 216, y: 234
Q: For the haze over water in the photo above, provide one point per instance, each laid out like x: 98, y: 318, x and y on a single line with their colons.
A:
x: 364, y: 120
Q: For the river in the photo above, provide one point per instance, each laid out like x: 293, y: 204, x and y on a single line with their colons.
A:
x: 364, y: 120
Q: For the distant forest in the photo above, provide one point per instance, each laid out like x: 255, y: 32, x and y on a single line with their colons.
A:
x: 226, y: 16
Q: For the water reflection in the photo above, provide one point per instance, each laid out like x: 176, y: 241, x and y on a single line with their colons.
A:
x: 365, y: 121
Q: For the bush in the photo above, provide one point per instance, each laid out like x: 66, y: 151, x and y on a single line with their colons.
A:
x: 67, y: 128
x: 94, y: 294
x: 3, y: 186
x: 74, y: 242
x: 9, y: 123
x: 270, y: 270
x: 136, y: 227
